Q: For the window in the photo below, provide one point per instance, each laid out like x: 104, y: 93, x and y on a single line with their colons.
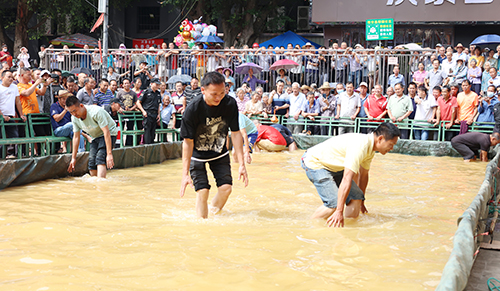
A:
x: 148, y: 19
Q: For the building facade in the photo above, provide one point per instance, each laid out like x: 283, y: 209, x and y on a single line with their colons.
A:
x: 426, y: 22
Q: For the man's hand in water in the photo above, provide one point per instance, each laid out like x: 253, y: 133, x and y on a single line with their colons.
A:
x: 336, y: 219
x: 186, y: 180
x: 363, y: 208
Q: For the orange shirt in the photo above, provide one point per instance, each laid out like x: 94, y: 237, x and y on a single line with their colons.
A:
x: 466, y: 105
x: 29, y: 103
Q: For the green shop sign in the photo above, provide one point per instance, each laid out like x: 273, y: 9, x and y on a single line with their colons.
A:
x: 380, y: 29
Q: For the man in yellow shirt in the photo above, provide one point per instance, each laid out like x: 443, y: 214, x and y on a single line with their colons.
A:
x: 338, y: 168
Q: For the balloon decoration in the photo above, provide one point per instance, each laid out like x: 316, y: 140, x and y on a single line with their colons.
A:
x: 191, y: 31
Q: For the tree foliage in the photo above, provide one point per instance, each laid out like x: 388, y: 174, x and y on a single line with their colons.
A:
x: 242, y: 20
x: 29, y: 18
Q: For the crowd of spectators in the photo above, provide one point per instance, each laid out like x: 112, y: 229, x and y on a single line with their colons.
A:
x: 456, y: 85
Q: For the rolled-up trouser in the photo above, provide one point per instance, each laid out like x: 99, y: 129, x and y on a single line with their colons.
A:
x: 463, y: 150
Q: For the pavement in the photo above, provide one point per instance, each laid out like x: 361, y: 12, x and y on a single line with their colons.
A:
x: 487, y: 263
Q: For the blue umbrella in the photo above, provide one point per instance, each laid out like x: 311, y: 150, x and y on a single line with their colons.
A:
x: 209, y: 39
x: 179, y: 78
x: 487, y: 39
x: 243, y: 68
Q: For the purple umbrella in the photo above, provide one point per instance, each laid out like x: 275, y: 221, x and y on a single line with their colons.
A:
x: 243, y: 68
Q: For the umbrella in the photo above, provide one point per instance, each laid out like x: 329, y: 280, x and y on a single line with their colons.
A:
x: 209, y: 39
x: 283, y: 64
x: 86, y: 71
x: 66, y: 74
x: 77, y: 39
x: 486, y: 39
x: 179, y: 78
x: 243, y: 68
x: 409, y: 46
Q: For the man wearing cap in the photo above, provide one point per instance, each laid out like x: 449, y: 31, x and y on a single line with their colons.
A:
x: 143, y: 74
x: 103, y: 96
x: 328, y: 106
x: 312, y: 63
x: 60, y: 119
x: 460, y: 53
x: 150, y: 105
x: 42, y: 89
x: 229, y: 85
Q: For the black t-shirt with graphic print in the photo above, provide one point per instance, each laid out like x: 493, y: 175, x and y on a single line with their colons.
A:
x: 208, y: 126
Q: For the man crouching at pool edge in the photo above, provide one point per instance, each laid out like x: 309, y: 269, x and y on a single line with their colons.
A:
x: 338, y: 168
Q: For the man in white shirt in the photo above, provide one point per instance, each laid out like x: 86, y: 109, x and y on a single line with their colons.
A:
x: 297, y: 101
x: 448, y: 64
x: 348, y: 106
x: 495, y: 80
x: 9, y: 101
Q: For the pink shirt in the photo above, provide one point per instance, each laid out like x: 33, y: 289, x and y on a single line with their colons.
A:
x: 419, y: 77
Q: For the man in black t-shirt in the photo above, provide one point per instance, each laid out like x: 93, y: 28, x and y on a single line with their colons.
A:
x: 150, y: 105
x: 205, y: 126
x: 468, y: 144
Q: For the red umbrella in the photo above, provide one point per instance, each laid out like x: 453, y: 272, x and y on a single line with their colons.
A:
x: 283, y: 64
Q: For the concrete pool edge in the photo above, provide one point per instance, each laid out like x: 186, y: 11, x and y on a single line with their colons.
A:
x: 467, y: 237
x: 25, y: 171
x: 404, y: 146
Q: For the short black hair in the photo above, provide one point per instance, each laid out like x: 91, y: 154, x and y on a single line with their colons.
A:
x: 5, y: 72
x: 422, y: 88
x: 388, y: 130
x: 465, y: 81
x: 104, y: 80
x: 72, y: 100
x: 123, y: 80
x: 437, y: 88
x: 212, y: 78
x: 178, y: 83
x: 400, y: 84
x: 70, y: 79
x: 446, y: 87
x: 412, y: 83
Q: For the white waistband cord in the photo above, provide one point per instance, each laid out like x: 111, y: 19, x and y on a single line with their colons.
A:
x: 209, y: 160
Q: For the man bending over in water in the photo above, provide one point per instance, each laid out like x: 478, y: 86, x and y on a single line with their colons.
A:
x: 338, y: 168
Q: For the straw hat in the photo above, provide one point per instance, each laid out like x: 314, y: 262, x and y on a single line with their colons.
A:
x: 308, y: 44
x: 63, y: 93
x: 305, y: 87
x: 325, y: 85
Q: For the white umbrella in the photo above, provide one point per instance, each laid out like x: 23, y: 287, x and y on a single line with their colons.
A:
x: 409, y: 46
